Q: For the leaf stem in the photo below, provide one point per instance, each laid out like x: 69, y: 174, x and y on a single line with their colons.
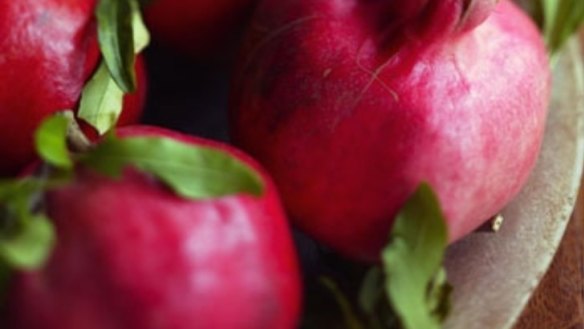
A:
x: 76, y: 138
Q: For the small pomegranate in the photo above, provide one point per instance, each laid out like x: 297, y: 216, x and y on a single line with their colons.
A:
x: 132, y: 254
x: 48, y: 50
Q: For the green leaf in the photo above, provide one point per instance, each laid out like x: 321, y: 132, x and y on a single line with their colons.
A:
x: 51, y: 141
x: 31, y: 247
x: 559, y: 20
x: 26, y: 237
x: 116, y: 39
x: 192, y: 171
x: 101, y: 101
x: 412, y: 262
x: 139, y: 30
x: 102, y: 98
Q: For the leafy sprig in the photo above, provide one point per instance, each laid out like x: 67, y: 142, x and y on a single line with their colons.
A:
x: 558, y: 19
x: 412, y: 275
x: 409, y: 289
x: 561, y: 18
x: 122, y: 35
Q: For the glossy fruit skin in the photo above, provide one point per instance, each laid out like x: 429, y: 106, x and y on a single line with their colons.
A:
x: 134, y: 102
x: 199, y: 28
x: 48, y: 49
x: 133, y: 255
x: 350, y: 112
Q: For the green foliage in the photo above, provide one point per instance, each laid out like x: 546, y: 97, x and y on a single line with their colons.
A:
x: 410, y: 290
x: 412, y: 262
x: 26, y: 236
x: 561, y: 18
x: 101, y: 101
x: 116, y: 39
x: 122, y: 34
x: 558, y: 19
x: 51, y: 141
x: 31, y: 246
x: 192, y: 171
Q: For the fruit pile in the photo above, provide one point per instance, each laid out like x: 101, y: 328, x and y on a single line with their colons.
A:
x: 372, y: 133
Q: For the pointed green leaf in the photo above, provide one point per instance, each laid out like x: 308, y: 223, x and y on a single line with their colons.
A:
x: 139, y: 30
x: 192, y: 171
x: 51, y: 141
x: 102, y: 98
x: 101, y: 101
x: 116, y: 39
x: 31, y: 247
x: 412, y: 262
x: 26, y: 236
x: 558, y: 19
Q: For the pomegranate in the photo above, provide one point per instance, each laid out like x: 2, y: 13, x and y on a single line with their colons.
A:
x: 132, y: 254
x: 350, y: 105
x: 48, y: 49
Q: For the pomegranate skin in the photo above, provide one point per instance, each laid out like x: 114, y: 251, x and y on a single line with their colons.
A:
x: 133, y: 255
x: 199, y: 28
x: 134, y: 102
x: 48, y: 49
x: 350, y: 113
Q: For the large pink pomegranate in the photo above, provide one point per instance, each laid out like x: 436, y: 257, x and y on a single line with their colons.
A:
x: 350, y: 104
x: 131, y: 254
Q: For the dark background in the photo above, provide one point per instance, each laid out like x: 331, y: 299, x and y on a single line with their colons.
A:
x: 191, y: 95
x: 185, y: 94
